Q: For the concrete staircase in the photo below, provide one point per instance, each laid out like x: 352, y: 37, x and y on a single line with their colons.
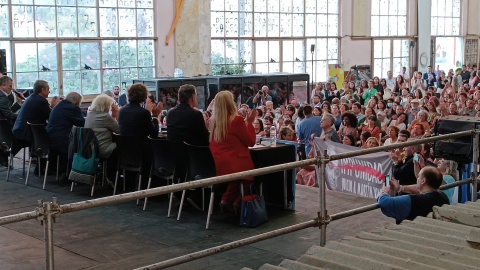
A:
x: 451, y: 240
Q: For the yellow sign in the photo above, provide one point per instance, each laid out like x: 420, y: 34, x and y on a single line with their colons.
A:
x: 336, y: 72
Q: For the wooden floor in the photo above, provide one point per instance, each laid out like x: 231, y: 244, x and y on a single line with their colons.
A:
x: 125, y: 237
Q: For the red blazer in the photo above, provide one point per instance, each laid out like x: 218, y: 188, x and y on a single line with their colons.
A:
x: 232, y: 155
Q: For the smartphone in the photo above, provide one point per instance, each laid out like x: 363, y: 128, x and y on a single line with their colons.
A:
x: 415, y: 157
x: 387, y: 180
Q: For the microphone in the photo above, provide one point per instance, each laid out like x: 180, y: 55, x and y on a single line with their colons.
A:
x: 18, y: 94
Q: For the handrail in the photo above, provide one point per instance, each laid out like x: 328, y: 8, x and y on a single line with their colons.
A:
x: 322, y: 220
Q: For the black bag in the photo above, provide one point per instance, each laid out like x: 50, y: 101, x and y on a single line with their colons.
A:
x: 253, y: 211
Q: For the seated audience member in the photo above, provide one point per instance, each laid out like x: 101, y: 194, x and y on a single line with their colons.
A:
x: 417, y: 131
x: 8, y: 107
x: 371, y: 126
x: 230, y: 138
x: 186, y: 124
x: 306, y: 175
x: 328, y: 133
x: 287, y: 134
x: 372, y: 142
x: 141, y: 122
x: 400, y: 122
x: 258, y: 125
x: 35, y: 110
x: 349, y: 140
x: 422, y: 119
x: 449, y: 171
x: 62, y: 118
x: 392, y: 134
x: 104, y: 125
x: 423, y: 196
x: 403, y: 167
x: 403, y: 136
x: 363, y: 139
x: 267, y: 124
x: 349, y: 125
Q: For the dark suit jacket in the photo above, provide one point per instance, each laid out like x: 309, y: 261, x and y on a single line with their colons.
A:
x: 122, y: 100
x: 35, y: 110
x: 185, y: 124
x: 8, y: 107
x: 135, y: 120
x: 64, y: 116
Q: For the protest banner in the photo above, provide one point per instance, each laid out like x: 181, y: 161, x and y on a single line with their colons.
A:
x: 361, y: 175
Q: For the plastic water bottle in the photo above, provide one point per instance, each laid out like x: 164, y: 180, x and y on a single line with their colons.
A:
x: 273, y: 136
x: 178, y: 73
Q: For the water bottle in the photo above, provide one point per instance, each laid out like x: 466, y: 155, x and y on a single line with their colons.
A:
x: 273, y: 136
x: 178, y: 73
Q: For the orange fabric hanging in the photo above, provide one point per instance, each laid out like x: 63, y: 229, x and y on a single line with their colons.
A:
x: 178, y: 10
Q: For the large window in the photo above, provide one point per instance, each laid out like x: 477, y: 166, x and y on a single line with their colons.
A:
x: 265, y: 36
x: 389, y: 18
x: 78, y: 45
x: 390, y: 55
x: 445, y: 17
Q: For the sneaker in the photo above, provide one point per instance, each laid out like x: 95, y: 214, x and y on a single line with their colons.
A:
x: 193, y: 204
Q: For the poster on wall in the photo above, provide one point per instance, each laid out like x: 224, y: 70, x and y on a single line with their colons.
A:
x: 336, y: 72
x: 363, y: 175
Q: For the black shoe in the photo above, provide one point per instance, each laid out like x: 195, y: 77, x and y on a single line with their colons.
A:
x: 193, y: 204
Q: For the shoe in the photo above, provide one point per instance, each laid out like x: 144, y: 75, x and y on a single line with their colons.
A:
x: 193, y: 204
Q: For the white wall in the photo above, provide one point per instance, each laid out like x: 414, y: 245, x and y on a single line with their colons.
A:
x: 165, y: 57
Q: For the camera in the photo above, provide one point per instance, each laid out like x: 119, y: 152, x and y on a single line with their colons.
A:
x: 260, y: 92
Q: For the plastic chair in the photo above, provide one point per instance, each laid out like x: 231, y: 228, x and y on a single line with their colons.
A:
x: 129, y: 157
x: 40, y: 149
x: 163, y: 165
x: 200, y: 165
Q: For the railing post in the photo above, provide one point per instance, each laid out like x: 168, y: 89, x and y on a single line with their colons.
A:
x: 49, y: 236
x: 475, y: 166
x: 323, y: 200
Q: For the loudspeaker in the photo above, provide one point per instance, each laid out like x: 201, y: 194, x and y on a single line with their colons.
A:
x: 458, y: 149
x: 312, y: 48
x: 3, y: 61
x: 412, y: 44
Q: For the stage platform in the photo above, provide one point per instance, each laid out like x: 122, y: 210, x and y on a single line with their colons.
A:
x: 123, y: 236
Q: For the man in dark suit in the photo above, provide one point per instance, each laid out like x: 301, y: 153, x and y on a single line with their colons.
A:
x: 64, y: 116
x: 7, y: 105
x: 35, y: 110
x: 185, y: 124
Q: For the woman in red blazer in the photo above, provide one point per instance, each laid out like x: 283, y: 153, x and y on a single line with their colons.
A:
x: 230, y: 137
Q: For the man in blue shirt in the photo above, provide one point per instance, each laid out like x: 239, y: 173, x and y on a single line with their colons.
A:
x: 308, y: 126
x: 423, y: 196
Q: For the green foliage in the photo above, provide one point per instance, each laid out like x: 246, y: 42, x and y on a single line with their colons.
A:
x: 229, y: 67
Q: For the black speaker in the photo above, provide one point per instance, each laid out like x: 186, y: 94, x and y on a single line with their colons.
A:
x: 312, y: 48
x: 458, y: 149
x: 3, y: 61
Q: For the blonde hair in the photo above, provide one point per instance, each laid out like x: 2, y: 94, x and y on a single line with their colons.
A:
x: 223, y: 114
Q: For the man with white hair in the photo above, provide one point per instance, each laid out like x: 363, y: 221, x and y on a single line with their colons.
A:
x: 261, y: 97
x: 328, y: 133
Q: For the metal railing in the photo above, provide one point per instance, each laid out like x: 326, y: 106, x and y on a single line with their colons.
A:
x: 47, y: 212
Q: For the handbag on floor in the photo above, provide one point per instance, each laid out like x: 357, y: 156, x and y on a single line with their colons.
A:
x: 83, y: 169
x: 253, y: 211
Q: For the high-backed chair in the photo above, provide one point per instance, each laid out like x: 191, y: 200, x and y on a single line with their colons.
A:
x: 6, y: 138
x: 163, y: 165
x: 200, y: 165
x: 40, y: 149
x: 89, y: 144
x: 130, y: 157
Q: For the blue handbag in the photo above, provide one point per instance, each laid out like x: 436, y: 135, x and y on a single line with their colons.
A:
x: 253, y: 211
